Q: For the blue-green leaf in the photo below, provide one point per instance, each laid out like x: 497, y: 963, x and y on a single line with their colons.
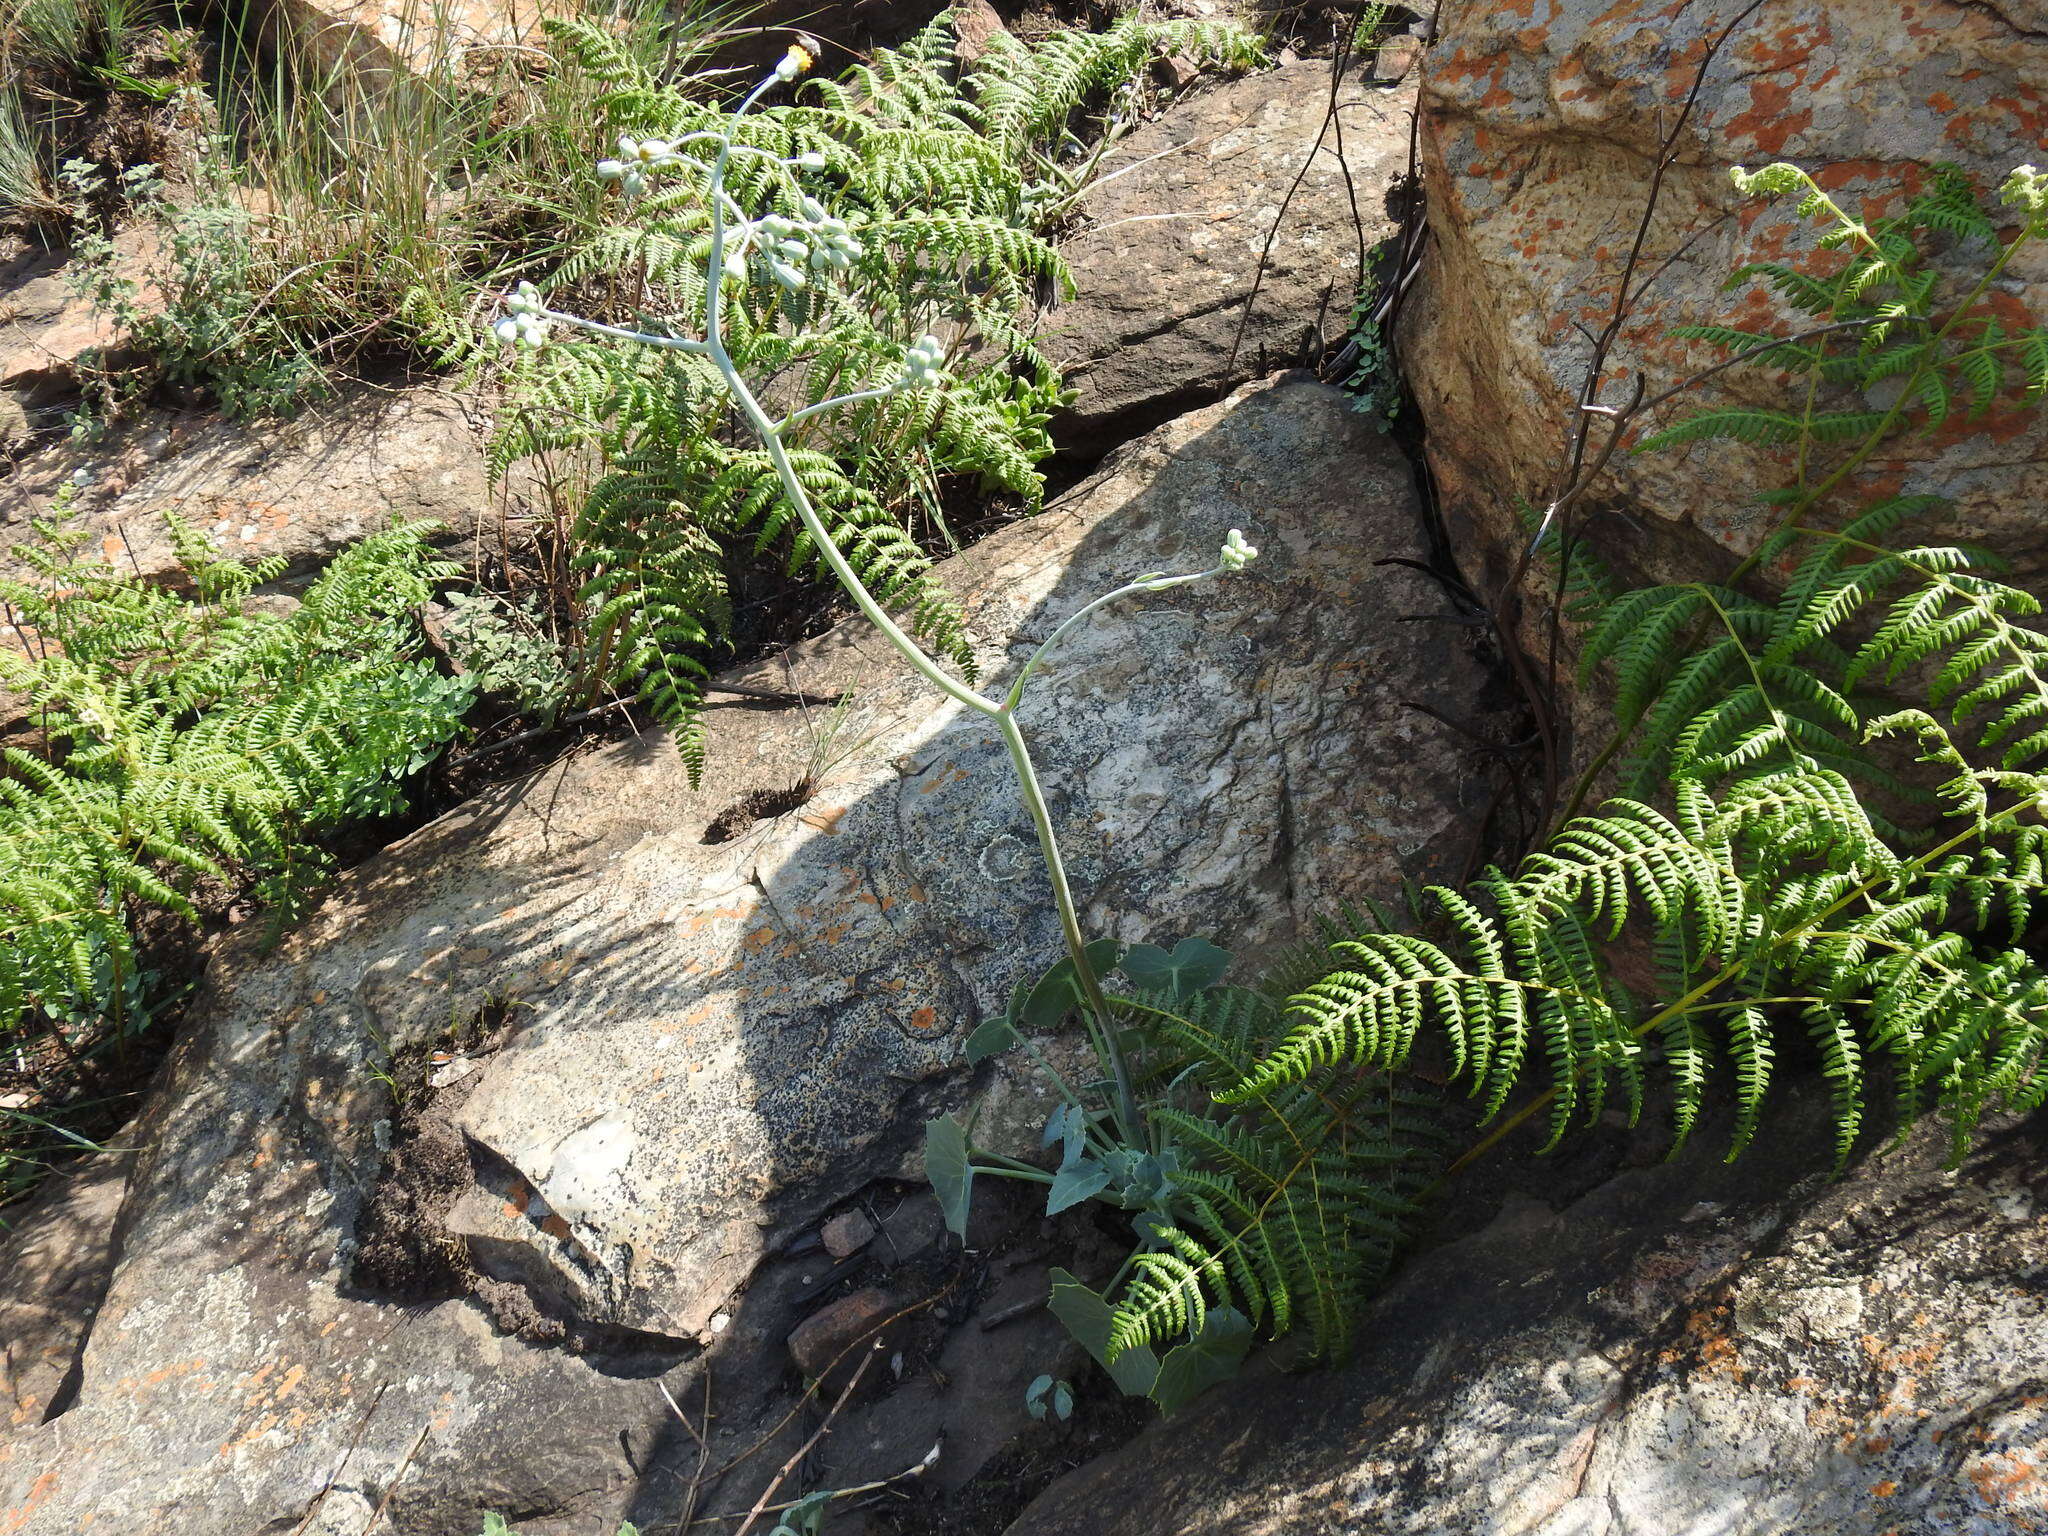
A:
x: 951, y: 1174
x: 991, y: 1037
x: 1194, y: 965
x: 1079, y: 1178
x: 1211, y: 1356
x: 1087, y: 1317
x: 1058, y: 991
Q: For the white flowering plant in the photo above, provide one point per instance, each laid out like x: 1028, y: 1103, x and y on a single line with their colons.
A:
x: 1116, y: 1145
x: 872, y: 232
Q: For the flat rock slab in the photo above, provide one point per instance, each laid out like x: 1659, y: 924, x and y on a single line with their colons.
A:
x: 1252, y: 192
x: 301, y: 489
x: 1690, y: 1350
x: 47, y: 330
x: 710, y: 1046
x: 51, y: 1284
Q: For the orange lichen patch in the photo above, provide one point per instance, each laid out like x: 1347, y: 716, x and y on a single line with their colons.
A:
x: 254, y: 1432
x: 922, y: 1019
x: 1770, y: 122
x: 947, y: 773
x: 38, y: 1493
x: 759, y: 939
x: 1714, y: 1351
x: 555, y: 1227
x: 2006, y: 1478
x: 1883, y: 1490
x: 2029, y: 115
x: 1942, y: 102
x: 705, y: 919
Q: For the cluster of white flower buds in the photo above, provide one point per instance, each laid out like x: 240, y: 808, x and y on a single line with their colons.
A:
x: 638, y: 159
x: 2027, y: 190
x: 795, y: 248
x: 921, y: 364
x: 526, y: 320
x: 1236, y: 553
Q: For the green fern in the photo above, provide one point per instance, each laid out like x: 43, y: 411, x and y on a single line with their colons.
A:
x: 941, y: 170
x: 1289, y: 1207
x: 188, y: 740
x: 1757, y: 866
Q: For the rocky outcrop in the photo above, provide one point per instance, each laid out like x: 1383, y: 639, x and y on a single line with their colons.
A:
x: 1224, y: 240
x: 361, y: 41
x: 1689, y: 1350
x: 346, y: 1273
x: 1540, y: 123
x: 301, y: 490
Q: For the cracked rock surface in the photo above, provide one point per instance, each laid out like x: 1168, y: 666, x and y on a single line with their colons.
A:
x: 1688, y: 1350
x: 300, y: 490
x: 707, y: 1046
x: 1224, y: 240
x: 1540, y: 124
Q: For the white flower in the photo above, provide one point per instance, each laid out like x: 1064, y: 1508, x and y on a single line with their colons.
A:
x: 638, y: 158
x: 921, y: 363
x: 1236, y: 554
x: 81, y: 477
x: 2027, y: 189
x: 792, y: 63
x: 526, y: 322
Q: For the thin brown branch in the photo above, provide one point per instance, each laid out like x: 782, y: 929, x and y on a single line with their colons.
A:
x: 824, y: 1427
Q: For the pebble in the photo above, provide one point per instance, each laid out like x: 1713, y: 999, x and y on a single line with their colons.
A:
x: 847, y: 1233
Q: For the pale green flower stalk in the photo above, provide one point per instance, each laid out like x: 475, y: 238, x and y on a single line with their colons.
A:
x: 794, y: 253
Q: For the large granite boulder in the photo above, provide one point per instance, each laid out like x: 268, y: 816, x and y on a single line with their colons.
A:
x: 1224, y: 240
x: 346, y: 1273
x: 1691, y: 1349
x: 1540, y: 124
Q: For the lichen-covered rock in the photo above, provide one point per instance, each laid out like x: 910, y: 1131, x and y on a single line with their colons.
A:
x: 1689, y: 1350
x: 703, y: 1048
x: 302, y: 489
x: 1540, y: 124
x: 1194, y: 212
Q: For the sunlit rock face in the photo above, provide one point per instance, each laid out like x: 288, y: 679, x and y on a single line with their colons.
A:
x: 1541, y: 123
x: 694, y: 1049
